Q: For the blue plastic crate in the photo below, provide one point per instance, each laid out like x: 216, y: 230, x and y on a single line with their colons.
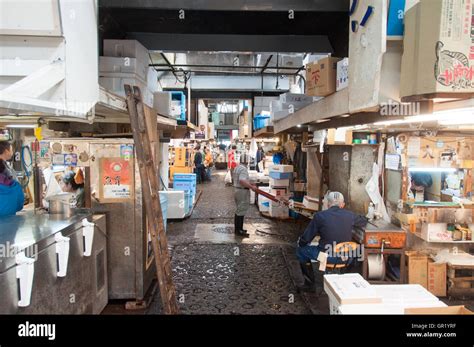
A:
x: 260, y: 121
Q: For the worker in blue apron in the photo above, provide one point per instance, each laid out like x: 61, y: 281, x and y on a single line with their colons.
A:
x: 242, y: 188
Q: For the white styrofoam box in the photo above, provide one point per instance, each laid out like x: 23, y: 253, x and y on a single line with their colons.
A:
x: 395, y: 299
x: 342, y: 74
x: 383, y: 308
x: 275, y: 105
x: 152, y: 79
x: 176, y: 205
x: 124, y: 65
x: 292, y: 98
x: 263, y: 204
x: 126, y: 48
x: 351, y: 288
x: 264, y: 101
x: 162, y: 103
x: 435, y: 232
x: 278, y: 211
x: 311, y: 58
x: 405, y: 294
x: 281, y: 168
x: 114, y: 82
x: 291, y: 60
x: 279, y: 183
x: 310, y: 202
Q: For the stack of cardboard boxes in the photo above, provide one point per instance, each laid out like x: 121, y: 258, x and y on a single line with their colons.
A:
x: 326, y: 76
x: 280, y: 176
x: 126, y: 62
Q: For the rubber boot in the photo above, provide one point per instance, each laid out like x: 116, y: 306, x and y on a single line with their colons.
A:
x: 309, y: 280
x: 240, y: 223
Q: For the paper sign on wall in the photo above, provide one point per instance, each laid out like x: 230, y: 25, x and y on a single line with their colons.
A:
x: 116, y: 179
x: 413, y: 147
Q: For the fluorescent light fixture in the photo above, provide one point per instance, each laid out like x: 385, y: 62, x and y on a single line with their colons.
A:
x: 22, y: 126
x: 392, y: 122
x: 432, y: 169
x: 322, y: 120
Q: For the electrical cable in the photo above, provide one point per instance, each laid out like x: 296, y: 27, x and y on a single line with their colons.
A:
x: 26, y: 166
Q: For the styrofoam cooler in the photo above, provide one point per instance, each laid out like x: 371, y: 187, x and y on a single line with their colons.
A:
x: 176, y: 208
x: 279, y: 183
x: 114, y: 82
x: 152, y: 79
x: 126, y: 48
x: 123, y: 65
x: 281, y: 168
x: 278, y: 211
x: 164, y: 209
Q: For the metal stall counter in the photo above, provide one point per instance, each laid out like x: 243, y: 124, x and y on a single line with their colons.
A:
x: 50, y: 263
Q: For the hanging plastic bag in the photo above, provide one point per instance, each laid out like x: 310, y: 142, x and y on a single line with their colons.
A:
x: 228, y: 178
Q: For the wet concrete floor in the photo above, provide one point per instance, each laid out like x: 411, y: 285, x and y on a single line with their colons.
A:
x: 216, y: 272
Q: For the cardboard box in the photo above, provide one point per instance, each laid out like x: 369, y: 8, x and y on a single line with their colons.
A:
x: 342, y: 75
x: 437, y: 278
x: 279, y: 192
x: 437, y: 56
x: 279, y: 183
x: 339, y: 136
x: 321, y: 77
x: 451, y: 310
x: 312, y: 203
x: 281, y: 168
x: 417, y: 268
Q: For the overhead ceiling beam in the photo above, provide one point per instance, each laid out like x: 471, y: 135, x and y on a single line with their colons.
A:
x: 235, y: 5
x: 236, y: 43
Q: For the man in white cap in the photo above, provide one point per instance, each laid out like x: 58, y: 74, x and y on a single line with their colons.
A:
x: 334, y: 226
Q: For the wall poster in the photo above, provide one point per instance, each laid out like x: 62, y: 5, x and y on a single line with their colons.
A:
x: 116, y: 179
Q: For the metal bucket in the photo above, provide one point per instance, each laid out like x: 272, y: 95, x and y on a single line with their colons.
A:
x: 62, y: 207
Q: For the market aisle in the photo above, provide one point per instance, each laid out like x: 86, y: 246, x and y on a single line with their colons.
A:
x: 218, y: 273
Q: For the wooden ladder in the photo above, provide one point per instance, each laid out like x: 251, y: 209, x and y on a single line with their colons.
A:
x: 149, y: 181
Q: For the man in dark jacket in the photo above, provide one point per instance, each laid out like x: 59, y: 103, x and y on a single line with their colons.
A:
x: 334, y: 226
x: 198, y: 165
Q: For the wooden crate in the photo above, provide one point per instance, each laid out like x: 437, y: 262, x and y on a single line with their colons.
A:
x: 460, y: 281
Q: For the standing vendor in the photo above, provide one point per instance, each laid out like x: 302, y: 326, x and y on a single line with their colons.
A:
x: 242, y: 188
x: 73, y: 183
x: 11, y: 193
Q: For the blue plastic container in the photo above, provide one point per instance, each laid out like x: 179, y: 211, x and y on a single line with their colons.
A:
x: 179, y: 96
x: 260, y: 121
